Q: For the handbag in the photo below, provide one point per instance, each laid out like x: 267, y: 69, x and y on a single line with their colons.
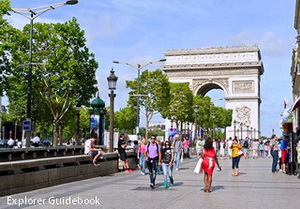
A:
x: 198, y: 169
x: 241, y: 153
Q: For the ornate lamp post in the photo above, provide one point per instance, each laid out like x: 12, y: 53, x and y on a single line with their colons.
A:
x: 138, y: 66
x: 196, y: 109
x: 112, y: 84
x: 254, y: 133
x: 247, y: 130
x: 242, y: 131
x: 213, y: 117
x: 33, y: 14
x: 234, y: 128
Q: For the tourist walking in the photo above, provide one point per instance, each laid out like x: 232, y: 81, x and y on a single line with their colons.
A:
x: 246, y: 146
x: 153, y: 159
x: 235, y: 157
x: 228, y: 146
x: 177, y: 146
x: 254, y: 147
x: 274, y: 152
x: 167, y: 163
x: 209, y: 162
x: 261, y: 148
x: 142, y: 159
x: 186, y: 148
x: 222, y: 148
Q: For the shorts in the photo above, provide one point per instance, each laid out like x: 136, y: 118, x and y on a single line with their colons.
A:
x: 93, y: 153
x: 283, y: 156
x: 123, y: 156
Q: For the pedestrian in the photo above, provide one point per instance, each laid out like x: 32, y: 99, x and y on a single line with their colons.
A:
x: 274, y: 152
x: 222, y: 148
x: 153, y: 159
x: 159, y: 167
x: 209, y: 162
x: 254, y: 147
x: 136, y: 152
x: 298, y: 158
x: 228, y: 146
x: 246, y: 145
x: 235, y: 147
x: 90, y: 150
x: 142, y: 159
x: 167, y: 156
x: 284, y: 152
x: 122, y: 153
x: 10, y: 143
x: 177, y: 146
x: 186, y: 148
x: 261, y: 148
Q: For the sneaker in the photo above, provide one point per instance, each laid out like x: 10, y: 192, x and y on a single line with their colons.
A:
x: 152, y: 186
x: 126, y: 171
x: 129, y: 170
x: 95, y: 163
x: 177, y: 169
x: 143, y: 173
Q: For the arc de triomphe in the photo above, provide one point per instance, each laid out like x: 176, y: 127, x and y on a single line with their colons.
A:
x: 235, y: 70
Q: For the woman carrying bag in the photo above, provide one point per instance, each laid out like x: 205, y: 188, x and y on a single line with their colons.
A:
x: 209, y: 162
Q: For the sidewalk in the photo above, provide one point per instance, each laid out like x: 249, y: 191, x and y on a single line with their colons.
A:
x: 256, y: 187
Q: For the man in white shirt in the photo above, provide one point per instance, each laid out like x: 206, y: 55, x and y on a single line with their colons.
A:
x: 10, y: 143
x: 91, y: 151
x: 36, y: 141
x: 228, y: 146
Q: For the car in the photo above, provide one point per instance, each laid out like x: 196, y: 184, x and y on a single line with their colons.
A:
x: 45, y: 143
x: 3, y: 142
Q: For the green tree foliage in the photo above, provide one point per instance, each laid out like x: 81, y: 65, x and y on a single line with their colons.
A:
x: 6, y: 40
x: 125, y: 119
x: 155, y: 91
x: 64, y: 75
x: 181, y: 104
x: 205, y: 105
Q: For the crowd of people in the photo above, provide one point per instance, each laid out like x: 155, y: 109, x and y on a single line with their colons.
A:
x: 164, y: 157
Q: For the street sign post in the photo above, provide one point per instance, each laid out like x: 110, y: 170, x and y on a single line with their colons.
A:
x: 27, y: 125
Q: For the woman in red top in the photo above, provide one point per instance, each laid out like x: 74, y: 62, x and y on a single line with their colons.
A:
x: 208, y: 164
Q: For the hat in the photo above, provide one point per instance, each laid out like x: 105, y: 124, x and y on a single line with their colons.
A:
x: 176, y: 135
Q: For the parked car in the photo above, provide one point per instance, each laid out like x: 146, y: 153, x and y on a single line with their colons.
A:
x: 3, y: 142
x: 45, y: 143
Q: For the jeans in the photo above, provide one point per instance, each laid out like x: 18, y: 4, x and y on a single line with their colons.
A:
x: 152, y: 167
x: 235, y: 162
x: 167, y: 169
x: 177, y: 159
x: 274, y: 154
x: 142, y: 162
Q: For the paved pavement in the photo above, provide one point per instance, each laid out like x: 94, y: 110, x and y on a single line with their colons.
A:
x: 256, y: 187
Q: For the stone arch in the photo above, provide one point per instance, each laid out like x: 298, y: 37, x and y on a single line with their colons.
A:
x: 206, y: 86
x: 235, y: 70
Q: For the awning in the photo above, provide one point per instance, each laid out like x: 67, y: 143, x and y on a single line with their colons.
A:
x: 296, y: 104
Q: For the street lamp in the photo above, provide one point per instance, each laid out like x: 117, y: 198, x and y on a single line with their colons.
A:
x: 213, y: 117
x: 241, y: 131
x: 234, y: 128
x: 196, y: 109
x: 138, y: 66
x: 254, y: 133
x: 112, y: 84
x: 33, y: 14
x: 251, y: 132
x: 247, y: 130
x: 78, y: 122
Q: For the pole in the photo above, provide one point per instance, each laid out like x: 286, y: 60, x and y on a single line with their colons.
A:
x: 138, y: 102
x: 29, y: 88
x: 78, y: 123
x: 111, y: 121
x: 241, y: 131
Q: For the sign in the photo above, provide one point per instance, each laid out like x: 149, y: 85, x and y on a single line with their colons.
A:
x: 27, y: 125
x: 172, y: 132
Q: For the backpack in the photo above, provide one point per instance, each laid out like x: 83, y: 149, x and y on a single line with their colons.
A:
x: 246, y: 144
x: 156, y: 147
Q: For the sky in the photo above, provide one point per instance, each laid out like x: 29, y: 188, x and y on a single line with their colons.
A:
x: 142, y: 31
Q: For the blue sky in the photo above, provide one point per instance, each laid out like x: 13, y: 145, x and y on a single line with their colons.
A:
x: 141, y: 31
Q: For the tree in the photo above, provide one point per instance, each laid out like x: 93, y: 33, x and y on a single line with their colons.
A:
x: 64, y: 75
x: 155, y: 94
x: 125, y: 119
x: 6, y: 39
x: 181, y: 104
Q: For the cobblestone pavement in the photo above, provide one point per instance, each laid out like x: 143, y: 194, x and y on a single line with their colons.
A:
x: 255, y: 187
